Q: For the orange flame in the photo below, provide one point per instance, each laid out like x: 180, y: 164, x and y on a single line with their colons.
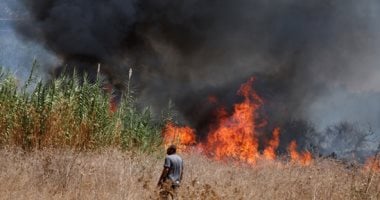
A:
x: 234, y: 136
x: 372, y: 164
x: 113, y: 105
x: 304, y: 158
x: 180, y: 136
x: 270, y: 151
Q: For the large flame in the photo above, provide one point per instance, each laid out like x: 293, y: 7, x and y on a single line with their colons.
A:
x: 234, y: 135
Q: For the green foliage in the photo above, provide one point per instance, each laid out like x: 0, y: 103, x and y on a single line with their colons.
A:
x: 71, y: 112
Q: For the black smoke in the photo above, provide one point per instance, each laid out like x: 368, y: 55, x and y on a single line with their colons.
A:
x: 300, y: 51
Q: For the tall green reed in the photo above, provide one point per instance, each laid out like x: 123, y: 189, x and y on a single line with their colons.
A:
x: 71, y: 111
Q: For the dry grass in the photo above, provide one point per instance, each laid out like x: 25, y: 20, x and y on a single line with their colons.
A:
x: 113, y: 174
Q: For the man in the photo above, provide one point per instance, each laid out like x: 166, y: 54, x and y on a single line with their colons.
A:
x: 171, y: 175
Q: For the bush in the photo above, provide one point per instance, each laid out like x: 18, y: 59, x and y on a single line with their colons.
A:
x: 70, y: 111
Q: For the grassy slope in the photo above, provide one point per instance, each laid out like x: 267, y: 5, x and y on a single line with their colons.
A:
x: 113, y: 174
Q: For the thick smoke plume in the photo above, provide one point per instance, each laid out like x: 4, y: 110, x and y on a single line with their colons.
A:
x: 309, y: 57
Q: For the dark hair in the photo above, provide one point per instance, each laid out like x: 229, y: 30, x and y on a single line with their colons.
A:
x: 171, y: 149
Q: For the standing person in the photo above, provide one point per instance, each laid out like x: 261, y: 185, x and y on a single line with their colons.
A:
x: 171, y: 175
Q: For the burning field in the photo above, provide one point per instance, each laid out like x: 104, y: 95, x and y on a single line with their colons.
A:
x: 234, y: 135
x: 315, y: 67
x: 264, y: 99
x: 315, y: 64
x: 67, y: 140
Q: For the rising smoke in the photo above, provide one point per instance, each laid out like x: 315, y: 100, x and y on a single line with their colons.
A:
x: 314, y: 60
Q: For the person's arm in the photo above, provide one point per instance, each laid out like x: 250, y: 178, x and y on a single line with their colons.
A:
x: 164, y: 174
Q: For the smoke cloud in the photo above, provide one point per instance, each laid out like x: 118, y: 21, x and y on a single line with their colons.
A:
x: 314, y: 60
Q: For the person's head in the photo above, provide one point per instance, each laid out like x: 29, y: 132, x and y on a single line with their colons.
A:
x: 171, y: 149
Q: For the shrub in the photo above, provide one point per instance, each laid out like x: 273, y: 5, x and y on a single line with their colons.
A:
x: 71, y: 111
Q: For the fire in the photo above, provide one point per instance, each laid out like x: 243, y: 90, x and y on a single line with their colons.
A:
x: 270, y: 151
x: 180, y: 136
x: 234, y: 136
x: 372, y: 164
x: 113, y: 105
x: 303, y: 158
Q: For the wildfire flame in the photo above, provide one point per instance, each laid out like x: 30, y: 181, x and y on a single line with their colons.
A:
x: 108, y: 89
x: 303, y: 158
x: 372, y: 164
x: 270, y: 151
x: 234, y: 135
x: 180, y: 136
x: 113, y: 105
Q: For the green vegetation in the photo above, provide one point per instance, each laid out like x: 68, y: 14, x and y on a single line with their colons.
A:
x: 59, y: 120
x: 71, y: 112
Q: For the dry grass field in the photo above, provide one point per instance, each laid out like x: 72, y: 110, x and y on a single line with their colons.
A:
x: 114, y: 174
